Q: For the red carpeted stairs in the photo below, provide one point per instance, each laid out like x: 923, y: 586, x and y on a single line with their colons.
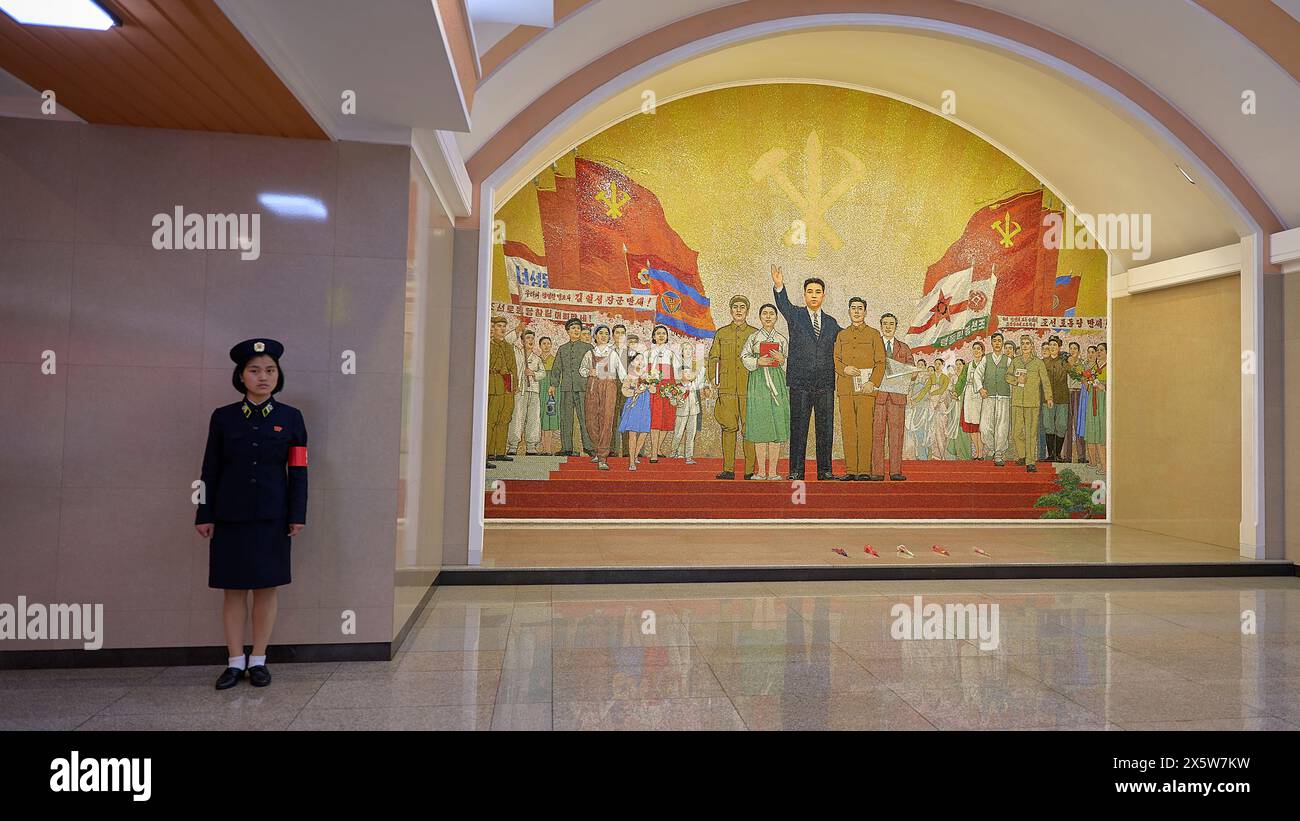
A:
x: 673, y: 489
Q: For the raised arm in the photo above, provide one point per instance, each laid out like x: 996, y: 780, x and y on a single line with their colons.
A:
x: 778, y: 293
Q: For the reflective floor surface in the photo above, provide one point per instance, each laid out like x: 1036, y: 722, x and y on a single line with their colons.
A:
x: 1069, y: 654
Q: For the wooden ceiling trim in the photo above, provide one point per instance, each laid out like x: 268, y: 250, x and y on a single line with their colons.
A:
x: 169, y: 37
x: 187, y: 87
x: 109, y: 66
x: 171, y: 64
x: 238, y: 64
x: 27, y: 58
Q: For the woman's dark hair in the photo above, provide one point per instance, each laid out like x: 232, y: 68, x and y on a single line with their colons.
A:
x: 768, y: 305
x: 236, y: 378
x: 656, y: 330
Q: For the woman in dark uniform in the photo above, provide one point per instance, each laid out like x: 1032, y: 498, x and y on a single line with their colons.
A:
x: 254, y: 500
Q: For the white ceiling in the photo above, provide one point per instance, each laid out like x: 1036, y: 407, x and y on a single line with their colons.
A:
x: 391, y: 53
x: 17, y: 99
x: 1177, y: 48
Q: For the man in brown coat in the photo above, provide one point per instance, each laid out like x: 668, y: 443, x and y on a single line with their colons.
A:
x: 858, y: 347
x: 890, y: 410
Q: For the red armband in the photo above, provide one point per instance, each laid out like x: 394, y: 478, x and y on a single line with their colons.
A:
x: 298, y: 456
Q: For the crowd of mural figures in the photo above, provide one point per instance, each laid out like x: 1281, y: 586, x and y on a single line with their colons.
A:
x: 1010, y: 397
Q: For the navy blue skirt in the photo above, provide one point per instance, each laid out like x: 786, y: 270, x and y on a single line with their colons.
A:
x: 249, y: 555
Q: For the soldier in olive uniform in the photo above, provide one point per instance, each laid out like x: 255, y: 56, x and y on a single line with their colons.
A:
x: 503, y: 384
x: 570, y: 386
x: 727, y: 371
x: 1030, y: 386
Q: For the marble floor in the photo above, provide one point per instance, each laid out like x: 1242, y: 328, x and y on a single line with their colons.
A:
x: 538, y: 545
x: 1068, y: 654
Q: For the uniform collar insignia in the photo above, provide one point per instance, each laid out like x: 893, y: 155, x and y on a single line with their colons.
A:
x: 265, y: 410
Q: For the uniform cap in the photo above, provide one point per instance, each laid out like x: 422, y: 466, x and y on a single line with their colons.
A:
x: 250, y: 348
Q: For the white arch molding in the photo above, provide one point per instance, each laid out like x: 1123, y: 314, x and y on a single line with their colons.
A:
x: 1252, y: 531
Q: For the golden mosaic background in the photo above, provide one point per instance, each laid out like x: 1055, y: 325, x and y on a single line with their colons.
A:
x: 923, y: 178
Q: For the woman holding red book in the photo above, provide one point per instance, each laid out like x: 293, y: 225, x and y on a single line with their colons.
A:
x: 767, y: 399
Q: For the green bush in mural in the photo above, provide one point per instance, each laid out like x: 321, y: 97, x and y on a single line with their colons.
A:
x: 1071, y: 499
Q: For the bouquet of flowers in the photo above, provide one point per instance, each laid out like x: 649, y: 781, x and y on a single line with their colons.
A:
x: 673, y: 392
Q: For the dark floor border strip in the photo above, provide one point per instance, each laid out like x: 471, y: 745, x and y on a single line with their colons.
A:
x: 678, y: 575
x: 185, y: 656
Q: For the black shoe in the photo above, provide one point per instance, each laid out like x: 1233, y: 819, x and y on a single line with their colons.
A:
x: 897, y: 477
x: 795, y: 477
x: 259, y: 676
x: 504, y: 458
x: 1031, y: 468
x: 491, y: 466
x: 998, y: 463
x: 862, y: 477
x: 827, y: 477
x: 531, y: 453
x: 875, y: 477
x: 749, y: 476
x: 849, y: 477
x: 229, y: 678
x: 565, y: 453
x: 726, y: 474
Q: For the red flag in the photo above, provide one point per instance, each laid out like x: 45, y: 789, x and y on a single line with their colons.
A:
x: 1066, y: 296
x: 611, y: 204
x: 559, y: 213
x: 1006, y: 239
x: 511, y: 248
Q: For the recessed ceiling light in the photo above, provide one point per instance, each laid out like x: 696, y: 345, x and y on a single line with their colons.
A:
x: 76, y: 14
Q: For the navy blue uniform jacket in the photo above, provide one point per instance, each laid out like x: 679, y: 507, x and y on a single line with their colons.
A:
x: 246, y: 476
x: 811, y: 364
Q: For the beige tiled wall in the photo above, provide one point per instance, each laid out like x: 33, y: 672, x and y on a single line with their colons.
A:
x: 460, y: 396
x: 97, y: 459
x: 1291, y: 337
x: 424, y: 416
x: 1176, y: 411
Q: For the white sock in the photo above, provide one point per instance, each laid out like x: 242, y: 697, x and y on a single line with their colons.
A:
x: 257, y: 661
x: 237, y: 661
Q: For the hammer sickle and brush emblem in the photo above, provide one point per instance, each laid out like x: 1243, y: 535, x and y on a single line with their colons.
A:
x: 1007, y: 230
x: 813, y: 203
x: 614, y: 199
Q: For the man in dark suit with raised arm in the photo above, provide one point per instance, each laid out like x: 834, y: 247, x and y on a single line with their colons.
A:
x: 810, y: 372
